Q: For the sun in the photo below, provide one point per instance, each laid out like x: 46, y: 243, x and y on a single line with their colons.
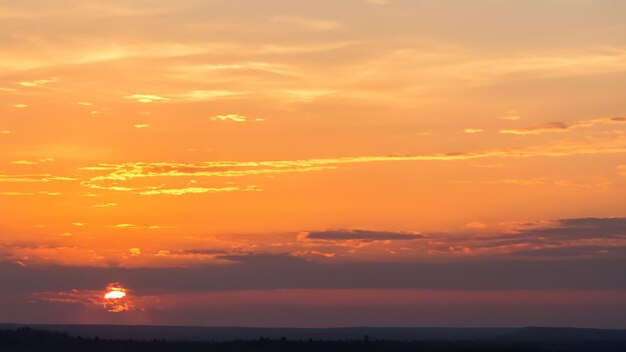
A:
x: 115, y: 298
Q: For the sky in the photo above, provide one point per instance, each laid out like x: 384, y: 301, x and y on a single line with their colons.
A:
x: 313, y: 163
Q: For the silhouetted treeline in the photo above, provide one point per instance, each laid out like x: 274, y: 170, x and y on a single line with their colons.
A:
x: 30, y: 340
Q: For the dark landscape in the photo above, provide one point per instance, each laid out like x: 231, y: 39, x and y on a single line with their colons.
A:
x: 18, y: 338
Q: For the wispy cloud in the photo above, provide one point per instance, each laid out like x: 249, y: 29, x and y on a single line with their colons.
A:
x: 197, y: 190
x: 230, y: 117
x: 32, y: 162
x: 39, y: 82
x: 147, y: 98
x: 361, y: 235
x: 563, y: 126
x: 33, y: 178
x: 308, y: 23
x: 105, y: 205
x: 207, y: 95
x: 116, y: 173
x: 473, y: 130
x: 558, y: 239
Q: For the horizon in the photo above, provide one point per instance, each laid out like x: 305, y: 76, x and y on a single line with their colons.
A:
x: 313, y: 163
x: 30, y: 325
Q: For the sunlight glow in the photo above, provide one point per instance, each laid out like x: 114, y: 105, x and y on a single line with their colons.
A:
x: 115, y: 298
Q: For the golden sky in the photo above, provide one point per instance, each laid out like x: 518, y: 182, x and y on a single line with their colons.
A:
x: 160, y: 135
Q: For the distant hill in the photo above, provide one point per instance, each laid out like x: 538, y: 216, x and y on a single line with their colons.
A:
x: 182, y: 333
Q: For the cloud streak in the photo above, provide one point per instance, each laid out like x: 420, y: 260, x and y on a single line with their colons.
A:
x: 562, y: 126
x: 361, y: 235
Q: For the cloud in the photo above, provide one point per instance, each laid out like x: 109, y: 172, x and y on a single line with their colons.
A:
x: 38, y: 83
x: 45, y: 193
x: 230, y: 117
x: 476, y: 225
x: 473, y: 130
x: 143, y: 125
x: 562, y: 126
x: 577, y: 241
x: 32, y: 162
x: 124, y: 226
x: 20, y: 106
x: 207, y: 95
x: 378, y: 2
x: 586, y: 228
x: 147, y: 98
x: 361, y: 235
x: 593, y: 237
x: 197, y: 190
x: 512, y: 115
x: 106, y: 205
x: 107, y: 174
x: 308, y: 23
x: 264, y: 272
x: 115, y: 177
x: 5, y: 132
x: 33, y: 178
x: 539, y: 129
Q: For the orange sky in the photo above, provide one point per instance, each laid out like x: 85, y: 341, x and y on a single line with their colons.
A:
x: 153, y: 134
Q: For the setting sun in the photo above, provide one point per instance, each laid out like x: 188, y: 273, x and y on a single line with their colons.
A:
x: 115, y: 298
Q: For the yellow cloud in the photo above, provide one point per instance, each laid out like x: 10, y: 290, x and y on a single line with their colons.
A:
x: 230, y: 117
x: 229, y: 169
x: 32, y: 162
x: 122, y: 226
x: 16, y: 193
x: 38, y: 83
x: 34, y: 178
x: 147, y: 98
x: 202, y: 95
x: 106, y: 205
x: 196, y: 190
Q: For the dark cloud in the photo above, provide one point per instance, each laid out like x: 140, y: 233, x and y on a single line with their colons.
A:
x: 583, y: 253
x: 581, y: 228
x: 287, y: 272
x: 362, y: 235
x: 572, y: 252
